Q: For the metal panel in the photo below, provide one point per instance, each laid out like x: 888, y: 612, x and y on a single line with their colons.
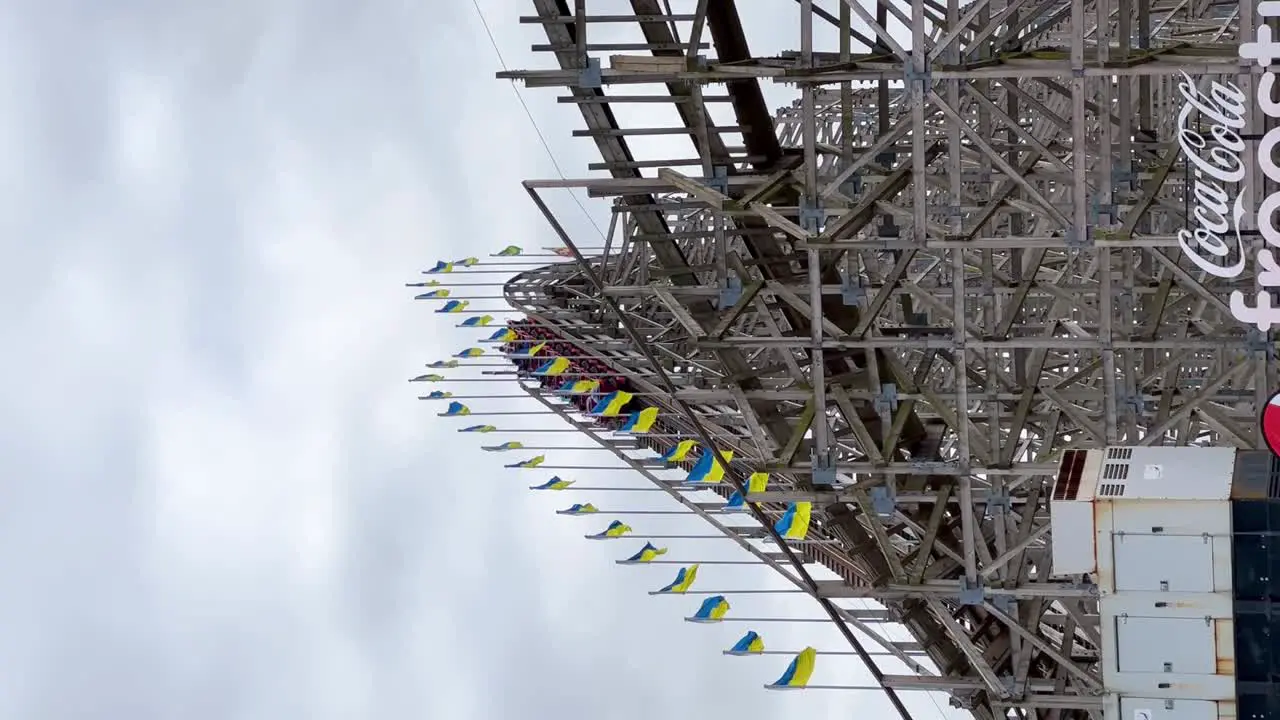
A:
x: 1163, y: 563
x: 1171, y: 517
x: 1169, y: 473
x: 1153, y: 709
x: 1073, y: 547
x: 1165, y: 645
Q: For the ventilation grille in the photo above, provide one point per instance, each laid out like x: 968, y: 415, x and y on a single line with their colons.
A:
x: 1120, y: 453
x: 1115, y: 471
x: 1067, y: 485
x: 1256, y: 476
x: 1111, y: 489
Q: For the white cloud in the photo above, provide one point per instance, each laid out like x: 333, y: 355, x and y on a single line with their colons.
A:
x: 223, y: 500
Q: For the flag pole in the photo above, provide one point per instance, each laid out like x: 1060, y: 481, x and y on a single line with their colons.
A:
x: 605, y: 467
x: 562, y: 447
x: 780, y: 591
x: 756, y: 620
x: 715, y: 537
x: 453, y: 380
x: 469, y: 311
x: 635, y: 512
x: 501, y: 412
x: 572, y: 488
x: 527, y: 431
x: 870, y: 688
x: 793, y: 653
x: 450, y: 286
x: 451, y: 296
x: 695, y: 562
x: 469, y: 271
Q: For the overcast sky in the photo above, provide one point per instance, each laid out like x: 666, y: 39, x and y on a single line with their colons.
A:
x: 221, y: 499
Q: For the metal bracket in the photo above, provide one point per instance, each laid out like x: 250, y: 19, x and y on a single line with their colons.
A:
x: 999, y: 502
x: 719, y: 180
x: 1120, y: 174
x: 853, y: 186
x: 1079, y: 239
x: 970, y: 593
x: 910, y: 74
x: 812, y: 215
x: 955, y: 211
x: 1006, y: 604
x: 963, y: 699
x: 852, y: 292
x: 883, y: 502
x: 590, y: 76
x: 1077, y: 72
x: 824, y: 471
x: 730, y: 292
x: 1257, y: 341
x: 887, y: 398
x: 1135, y: 403
x: 1010, y: 682
x: 929, y: 467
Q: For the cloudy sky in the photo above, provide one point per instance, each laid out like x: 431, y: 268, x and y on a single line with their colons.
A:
x: 222, y: 500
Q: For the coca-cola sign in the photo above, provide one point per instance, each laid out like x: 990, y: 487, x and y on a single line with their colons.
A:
x: 1218, y: 163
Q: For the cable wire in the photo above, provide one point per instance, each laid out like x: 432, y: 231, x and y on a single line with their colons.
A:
x: 542, y: 138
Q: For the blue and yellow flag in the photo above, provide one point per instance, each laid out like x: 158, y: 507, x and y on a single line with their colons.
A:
x: 433, y: 294
x: 534, y: 350
x: 439, y: 395
x: 456, y: 409
x: 757, y: 483
x: 750, y: 644
x: 798, y: 672
x: 713, y: 610
x: 440, y: 267
x: 616, y: 529
x: 454, y: 306
x: 640, y: 422
x: 553, y: 367
x: 578, y: 509
x: 440, y: 364
x: 428, y: 378
x: 433, y: 283
x: 532, y: 462
x: 509, y: 445
x: 505, y: 335
x: 680, y: 452
x: 647, y: 554
x: 508, y: 251
x: 611, y: 405
x: 554, y: 483
x: 794, y: 523
x: 470, y: 353
x: 467, y: 262
x: 708, y: 470
x: 579, y: 387
x: 682, y: 583
x: 479, y: 429
x: 479, y: 321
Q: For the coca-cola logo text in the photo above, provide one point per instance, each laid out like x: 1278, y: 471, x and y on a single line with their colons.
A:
x: 1218, y: 164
